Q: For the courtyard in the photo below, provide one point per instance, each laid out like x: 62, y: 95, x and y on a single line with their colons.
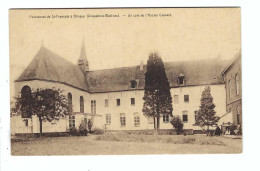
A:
x: 123, y: 144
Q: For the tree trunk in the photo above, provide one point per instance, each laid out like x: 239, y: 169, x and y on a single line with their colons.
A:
x: 40, y: 119
x: 158, y: 123
x: 155, y: 125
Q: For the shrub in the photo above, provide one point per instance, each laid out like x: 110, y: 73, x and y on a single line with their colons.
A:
x: 73, y: 131
x: 82, y: 129
x: 98, y: 131
x: 177, y: 124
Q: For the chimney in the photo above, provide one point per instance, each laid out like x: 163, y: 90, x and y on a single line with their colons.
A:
x: 141, y: 65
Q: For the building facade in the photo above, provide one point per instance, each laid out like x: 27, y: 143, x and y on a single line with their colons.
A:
x: 113, y: 98
x: 233, y: 84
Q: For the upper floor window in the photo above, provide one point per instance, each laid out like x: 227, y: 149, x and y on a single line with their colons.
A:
x: 106, y: 103
x: 136, y: 119
x: 133, y: 84
x: 93, y: 106
x: 132, y: 101
x: 185, y: 116
x: 108, y: 119
x: 117, y: 102
x: 81, y: 104
x: 176, y: 99
x: 122, y: 119
x: 237, y: 84
x: 229, y: 88
x: 70, y: 102
x: 165, y: 118
x: 186, y: 98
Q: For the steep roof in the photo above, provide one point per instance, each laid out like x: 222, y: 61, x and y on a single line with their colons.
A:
x: 199, y: 72
x: 50, y: 67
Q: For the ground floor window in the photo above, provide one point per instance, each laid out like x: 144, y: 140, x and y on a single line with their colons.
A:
x: 185, y: 116
x: 238, y: 115
x: 137, y: 119
x: 122, y: 119
x: 108, y: 119
x: 72, y: 121
x: 165, y: 118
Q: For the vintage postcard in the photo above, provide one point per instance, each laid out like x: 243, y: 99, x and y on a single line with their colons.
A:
x: 125, y: 81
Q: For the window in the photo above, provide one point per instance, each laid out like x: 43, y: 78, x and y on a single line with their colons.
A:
x: 176, y: 99
x: 237, y: 84
x: 165, y: 118
x: 186, y: 98
x: 122, y: 119
x: 136, y: 119
x: 72, y: 121
x: 81, y: 104
x: 70, y: 102
x: 26, y: 97
x: 93, y: 106
x: 108, y: 119
x: 229, y: 88
x: 26, y: 122
x: 238, y: 115
x: 181, y: 79
x: 106, y: 103
x: 185, y: 116
x: 132, y: 101
x: 196, y: 113
x: 118, y: 102
x: 133, y: 84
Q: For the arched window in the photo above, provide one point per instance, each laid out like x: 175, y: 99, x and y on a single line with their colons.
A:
x: 237, y: 84
x: 229, y: 88
x: 81, y: 104
x: 70, y: 102
x: 238, y: 115
x: 26, y: 97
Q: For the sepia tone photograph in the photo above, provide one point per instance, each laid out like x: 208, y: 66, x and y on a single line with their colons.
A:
x: 126, y: 81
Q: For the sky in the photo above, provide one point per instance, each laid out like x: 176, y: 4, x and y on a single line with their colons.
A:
x: 112, y: 42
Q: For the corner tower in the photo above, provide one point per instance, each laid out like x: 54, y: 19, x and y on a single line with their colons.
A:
x: 82, y: 61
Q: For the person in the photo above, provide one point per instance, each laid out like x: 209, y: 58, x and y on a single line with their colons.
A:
x: 218, y: 131
x: 227, y: 131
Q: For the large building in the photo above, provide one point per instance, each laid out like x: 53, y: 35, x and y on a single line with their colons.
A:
x: 113, y: 98
x: 232, y: 78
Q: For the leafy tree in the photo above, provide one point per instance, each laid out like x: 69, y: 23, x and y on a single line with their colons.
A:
x: 206, y: 115
x: 46, y: 104
x: 157, y: 97
x: 177, y: 124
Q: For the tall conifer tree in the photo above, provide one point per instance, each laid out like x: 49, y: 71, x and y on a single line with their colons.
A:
x: 206, y: 115
x: 157, y: 96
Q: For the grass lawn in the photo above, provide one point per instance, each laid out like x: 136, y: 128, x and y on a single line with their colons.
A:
x: 126, y: 144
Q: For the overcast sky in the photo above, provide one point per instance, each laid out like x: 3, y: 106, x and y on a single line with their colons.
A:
x: 116, y: 42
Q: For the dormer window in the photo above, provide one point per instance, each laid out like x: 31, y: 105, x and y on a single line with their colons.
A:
x: 181, y: 79
x: 133, y: 84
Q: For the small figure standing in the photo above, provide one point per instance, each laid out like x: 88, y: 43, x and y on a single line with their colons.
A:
x: 218, y: 131
x: 227, y: 131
